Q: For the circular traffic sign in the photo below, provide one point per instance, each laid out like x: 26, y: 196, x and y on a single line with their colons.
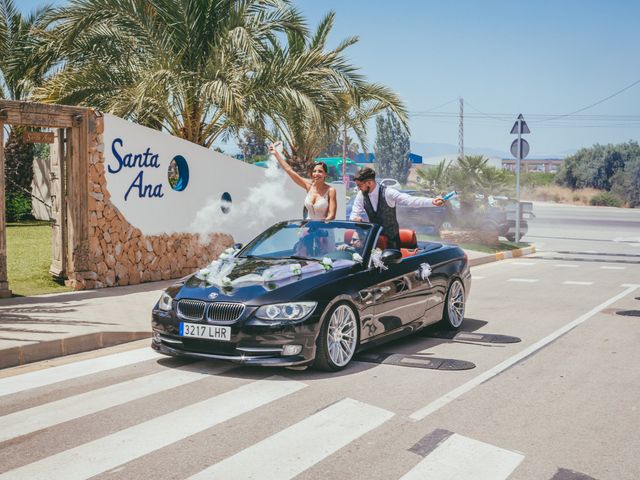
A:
x: 524, y: 149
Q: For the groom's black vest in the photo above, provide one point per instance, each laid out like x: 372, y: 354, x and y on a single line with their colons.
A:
x: 384, y: 216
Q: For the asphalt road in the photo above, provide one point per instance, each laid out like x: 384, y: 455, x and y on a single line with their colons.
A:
x: 562, y: 403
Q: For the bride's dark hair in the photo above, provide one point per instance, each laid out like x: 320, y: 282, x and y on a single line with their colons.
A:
x: 322, y: 164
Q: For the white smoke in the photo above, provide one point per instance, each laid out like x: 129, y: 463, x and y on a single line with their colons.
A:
x: 262, y: 205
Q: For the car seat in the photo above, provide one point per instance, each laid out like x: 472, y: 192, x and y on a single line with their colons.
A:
x: 408, y: 242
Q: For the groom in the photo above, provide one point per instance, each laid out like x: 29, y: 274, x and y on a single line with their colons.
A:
x: 379, y: 204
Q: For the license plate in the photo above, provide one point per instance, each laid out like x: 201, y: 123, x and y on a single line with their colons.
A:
x: 210, y: 332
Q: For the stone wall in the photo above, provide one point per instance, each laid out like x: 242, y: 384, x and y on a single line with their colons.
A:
x: 118, y: 252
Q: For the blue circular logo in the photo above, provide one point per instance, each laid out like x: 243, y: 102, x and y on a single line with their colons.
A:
x: 178, y: 173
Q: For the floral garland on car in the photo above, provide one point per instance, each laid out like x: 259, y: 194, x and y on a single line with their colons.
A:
x: 217, y: 273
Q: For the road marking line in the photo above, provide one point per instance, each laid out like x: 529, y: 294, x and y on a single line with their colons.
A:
x: 609, y: 267
x: 108, y: 452
x: 523, y: 280
x: 571, y: 282
x: 438, y: 403
x: 298, y: 447
x: 564, y: 265
x: 64, y: 410
x: 69, y: 371
x: 520, y: 262
x: 463, y: 458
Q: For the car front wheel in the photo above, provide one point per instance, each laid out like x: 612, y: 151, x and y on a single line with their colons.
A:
x: 455, y: 303
x: 338, y: 338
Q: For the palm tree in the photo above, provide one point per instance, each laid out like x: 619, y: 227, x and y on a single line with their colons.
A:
x: 23, y: 66
x: 187, y: 66
x: 435, y: 178
x: 332, y: 95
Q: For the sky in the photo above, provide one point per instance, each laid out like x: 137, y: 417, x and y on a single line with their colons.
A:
x: 541, y: 58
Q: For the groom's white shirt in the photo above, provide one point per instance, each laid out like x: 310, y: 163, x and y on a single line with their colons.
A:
x: 393, y: 198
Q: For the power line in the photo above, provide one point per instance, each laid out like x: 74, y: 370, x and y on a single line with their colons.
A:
x: 596, y: 103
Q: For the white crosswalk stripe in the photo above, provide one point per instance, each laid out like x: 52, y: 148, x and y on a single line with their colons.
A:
x: 574, y: 282
x: 463, y: 458
x: 48, y: 376
x: 297, y: 448
x: 54, y: 413
x: 103, y: 454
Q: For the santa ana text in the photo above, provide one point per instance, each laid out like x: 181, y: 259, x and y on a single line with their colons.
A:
x: 148, y: 159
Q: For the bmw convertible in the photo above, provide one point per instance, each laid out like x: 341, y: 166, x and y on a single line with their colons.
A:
x: 311, y: 293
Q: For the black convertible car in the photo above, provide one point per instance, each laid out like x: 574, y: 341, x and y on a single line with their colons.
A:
x: 309, y: 292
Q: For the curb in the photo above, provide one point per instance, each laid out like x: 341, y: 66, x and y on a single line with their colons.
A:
x: 35, y: 352
x: 520, y: 252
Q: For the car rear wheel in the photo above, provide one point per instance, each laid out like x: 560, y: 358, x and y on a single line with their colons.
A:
x: 338, y: 339
x: 455, y: 303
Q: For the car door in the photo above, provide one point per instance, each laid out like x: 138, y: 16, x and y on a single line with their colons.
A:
x: 400, y: 295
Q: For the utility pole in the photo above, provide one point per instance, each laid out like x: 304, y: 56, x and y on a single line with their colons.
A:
x: 461, y: 131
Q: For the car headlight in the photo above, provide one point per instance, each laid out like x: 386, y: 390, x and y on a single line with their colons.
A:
x: 286, y: 311
x: 165, y: 302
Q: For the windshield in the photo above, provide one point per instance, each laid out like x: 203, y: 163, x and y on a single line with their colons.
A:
x: 310, y: 240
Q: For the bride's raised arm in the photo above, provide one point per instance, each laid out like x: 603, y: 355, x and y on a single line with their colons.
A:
x: 303, y: 182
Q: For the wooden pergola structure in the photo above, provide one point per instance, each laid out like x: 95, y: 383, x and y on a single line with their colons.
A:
x: 69, y: 184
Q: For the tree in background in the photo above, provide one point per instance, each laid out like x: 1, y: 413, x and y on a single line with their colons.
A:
x: 392, y: 148
x: 626, y: 183
x: 332, y: 91
x: 24, y: 63
x: 335, y: 147
x: 186, y: 66
x: 605, y: 167
x: 253, y: 146
x: 434, y: 178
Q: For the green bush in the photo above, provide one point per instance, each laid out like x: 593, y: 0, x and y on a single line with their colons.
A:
x: 18, y: 207
x: 606, y: 199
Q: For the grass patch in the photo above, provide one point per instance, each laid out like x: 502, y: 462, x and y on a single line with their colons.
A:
x: 478, y: 247
x: 29, y: 259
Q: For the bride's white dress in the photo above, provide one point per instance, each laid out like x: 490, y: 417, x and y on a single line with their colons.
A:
x: 318, y: 210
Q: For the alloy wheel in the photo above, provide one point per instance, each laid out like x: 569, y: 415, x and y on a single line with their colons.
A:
x: 455, y: 304
x: 342, y: 335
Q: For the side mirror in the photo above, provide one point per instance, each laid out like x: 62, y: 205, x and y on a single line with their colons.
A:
x: 391, y: 256
x: 238, y: 246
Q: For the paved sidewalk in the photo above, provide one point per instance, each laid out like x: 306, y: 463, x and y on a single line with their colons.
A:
x: 48, y: 326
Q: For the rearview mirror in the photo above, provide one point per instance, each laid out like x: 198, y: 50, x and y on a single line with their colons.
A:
x: 238, y: 246
x: 391, y: 256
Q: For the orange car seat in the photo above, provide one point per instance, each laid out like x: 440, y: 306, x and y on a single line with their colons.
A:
x: 408, y: 242
x: 348, y: 235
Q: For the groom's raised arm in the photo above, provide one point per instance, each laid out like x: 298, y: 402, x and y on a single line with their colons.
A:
x: 394, y: 197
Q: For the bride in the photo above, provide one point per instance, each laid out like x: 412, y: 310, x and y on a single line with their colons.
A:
x: 320, y: 201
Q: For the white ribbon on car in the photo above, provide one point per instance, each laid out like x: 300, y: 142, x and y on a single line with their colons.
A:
x: 425, y: 272
x: 376, y: 258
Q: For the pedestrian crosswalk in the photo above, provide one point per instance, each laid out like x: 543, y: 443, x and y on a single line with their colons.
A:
x: 327, y: 430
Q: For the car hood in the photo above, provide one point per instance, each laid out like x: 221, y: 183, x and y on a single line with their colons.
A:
x: 256, y: 281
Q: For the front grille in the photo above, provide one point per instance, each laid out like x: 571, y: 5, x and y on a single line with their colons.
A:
x: 191, y: 309
x: 222, y: 312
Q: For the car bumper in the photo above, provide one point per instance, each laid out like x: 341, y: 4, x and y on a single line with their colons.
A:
x: 252, y: 342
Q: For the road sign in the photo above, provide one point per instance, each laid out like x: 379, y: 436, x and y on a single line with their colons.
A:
x: 523, y: 151
x: 520, y: 126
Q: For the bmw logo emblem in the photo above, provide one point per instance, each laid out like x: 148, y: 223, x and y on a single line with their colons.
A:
x: 213, y: 296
